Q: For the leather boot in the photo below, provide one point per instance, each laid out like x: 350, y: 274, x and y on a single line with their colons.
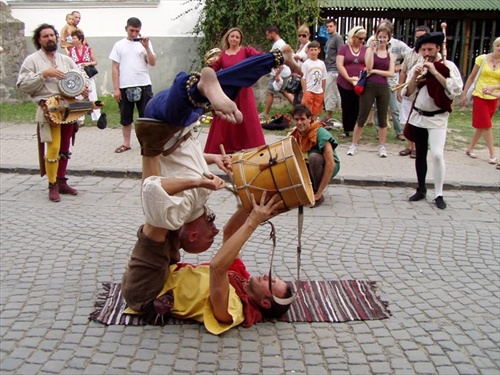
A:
x: 54, y: 192
x: 64, y: 188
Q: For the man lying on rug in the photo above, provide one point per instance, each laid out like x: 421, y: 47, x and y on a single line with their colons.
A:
x: 222, y: 294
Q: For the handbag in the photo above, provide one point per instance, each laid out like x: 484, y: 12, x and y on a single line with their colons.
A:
x: 468, y: 95
x: 90, y: 70
x: 293, y: 85
x: 360, y: 85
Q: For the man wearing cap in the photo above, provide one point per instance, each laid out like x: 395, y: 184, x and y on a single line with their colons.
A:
x: 432, y: 86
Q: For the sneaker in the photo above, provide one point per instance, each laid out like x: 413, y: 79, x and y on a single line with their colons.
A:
x: 353, y: 150
x: 382, y: 152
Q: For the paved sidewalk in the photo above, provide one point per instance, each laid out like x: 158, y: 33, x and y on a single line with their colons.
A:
x: 93, y: 154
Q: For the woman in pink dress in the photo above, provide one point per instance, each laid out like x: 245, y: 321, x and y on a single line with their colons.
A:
x: 248, y: 134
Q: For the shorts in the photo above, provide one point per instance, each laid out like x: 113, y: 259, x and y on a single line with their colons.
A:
x: 332, y: 95
x: 270, y: 88
x: 314, y: 102
x: 127, y: 108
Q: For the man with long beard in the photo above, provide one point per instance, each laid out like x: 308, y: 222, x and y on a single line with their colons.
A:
x: 39, y: 77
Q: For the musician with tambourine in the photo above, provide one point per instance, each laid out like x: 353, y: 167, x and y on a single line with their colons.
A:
x: 432, y: 86
x: 53, y: 80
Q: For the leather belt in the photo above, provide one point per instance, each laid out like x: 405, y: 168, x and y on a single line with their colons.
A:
x: 177, y: 144
x: 427, y: 113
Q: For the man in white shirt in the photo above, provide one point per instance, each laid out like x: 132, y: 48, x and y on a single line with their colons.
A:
x: 282, y: 73
x: 131, y: 58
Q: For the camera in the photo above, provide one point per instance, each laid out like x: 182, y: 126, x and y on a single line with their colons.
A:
x: 137, y: 39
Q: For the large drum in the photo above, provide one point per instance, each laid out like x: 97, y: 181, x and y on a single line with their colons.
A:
x: 277, y: 168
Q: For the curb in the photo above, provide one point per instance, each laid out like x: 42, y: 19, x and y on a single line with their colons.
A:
x: 135, y: 173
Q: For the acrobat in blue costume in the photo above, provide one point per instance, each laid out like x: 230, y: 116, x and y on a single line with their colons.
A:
x: 182, y: 104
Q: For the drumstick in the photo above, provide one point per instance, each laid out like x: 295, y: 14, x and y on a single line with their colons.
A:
x: 231, y: 177
x: 223, y: 153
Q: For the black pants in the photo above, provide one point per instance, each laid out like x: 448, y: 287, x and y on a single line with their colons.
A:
x: 421, y: 137
x: 350, y: 108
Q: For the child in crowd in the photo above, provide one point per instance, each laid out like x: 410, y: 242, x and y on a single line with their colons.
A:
x: 66, y: 38
x: 313, y: 80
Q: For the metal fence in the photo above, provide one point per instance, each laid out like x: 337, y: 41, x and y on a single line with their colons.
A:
x: 466, y: 38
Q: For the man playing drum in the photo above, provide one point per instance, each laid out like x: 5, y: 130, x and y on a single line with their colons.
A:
x: 177, y: 181
x: 319, y: 145
x: 39, y: 77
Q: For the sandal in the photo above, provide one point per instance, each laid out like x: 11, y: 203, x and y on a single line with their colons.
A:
x: 343, y: 135
x: 122, y: 148
x: 498, y: 166
x: 401, y: 137
x: 492, y: 161
x: 405, y: 152
x: 471, y: 154
x: 413, y: 154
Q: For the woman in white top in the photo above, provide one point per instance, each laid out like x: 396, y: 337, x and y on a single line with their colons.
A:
x: 301, y: 55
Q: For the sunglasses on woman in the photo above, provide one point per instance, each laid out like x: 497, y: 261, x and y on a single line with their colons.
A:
x: 303, y: 35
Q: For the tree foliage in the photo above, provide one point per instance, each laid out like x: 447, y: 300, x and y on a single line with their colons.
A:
x: 252, y: 16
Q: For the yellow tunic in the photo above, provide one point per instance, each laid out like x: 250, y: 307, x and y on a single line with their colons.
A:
x: 189, y: 286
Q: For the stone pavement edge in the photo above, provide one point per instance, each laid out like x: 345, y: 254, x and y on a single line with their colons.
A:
x: 93, y: 154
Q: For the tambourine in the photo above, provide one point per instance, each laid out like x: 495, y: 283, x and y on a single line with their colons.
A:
x: 72, y: 84
x: 212, y: 56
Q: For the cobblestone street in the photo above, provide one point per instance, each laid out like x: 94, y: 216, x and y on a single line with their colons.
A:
x: 439, y: 271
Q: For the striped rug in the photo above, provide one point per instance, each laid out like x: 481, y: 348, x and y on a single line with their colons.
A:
x: 319, y: 301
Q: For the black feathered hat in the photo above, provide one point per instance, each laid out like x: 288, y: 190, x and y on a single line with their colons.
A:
x: 435, y: 37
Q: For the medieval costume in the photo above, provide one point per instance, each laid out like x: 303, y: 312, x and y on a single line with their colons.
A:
x: 56, y: 136
x: 429, y: 118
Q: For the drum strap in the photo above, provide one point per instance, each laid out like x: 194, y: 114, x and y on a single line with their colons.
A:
x: 289, y: 300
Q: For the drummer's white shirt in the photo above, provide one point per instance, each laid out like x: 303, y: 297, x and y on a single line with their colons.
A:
x: 173, y: 211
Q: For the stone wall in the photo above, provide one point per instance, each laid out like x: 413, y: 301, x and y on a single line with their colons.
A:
x: 13, y: 42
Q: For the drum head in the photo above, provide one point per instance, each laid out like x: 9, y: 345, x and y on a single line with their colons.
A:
x: 72, y: 84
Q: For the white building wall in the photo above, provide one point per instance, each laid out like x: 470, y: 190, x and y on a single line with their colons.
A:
x: 170, y: 34
x: 157, y: 21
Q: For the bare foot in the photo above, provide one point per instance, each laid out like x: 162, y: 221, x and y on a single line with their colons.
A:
x: 287, y: 52
x: 224, y: 107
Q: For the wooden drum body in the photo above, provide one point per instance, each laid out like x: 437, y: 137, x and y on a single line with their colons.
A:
x: 276, y: 168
